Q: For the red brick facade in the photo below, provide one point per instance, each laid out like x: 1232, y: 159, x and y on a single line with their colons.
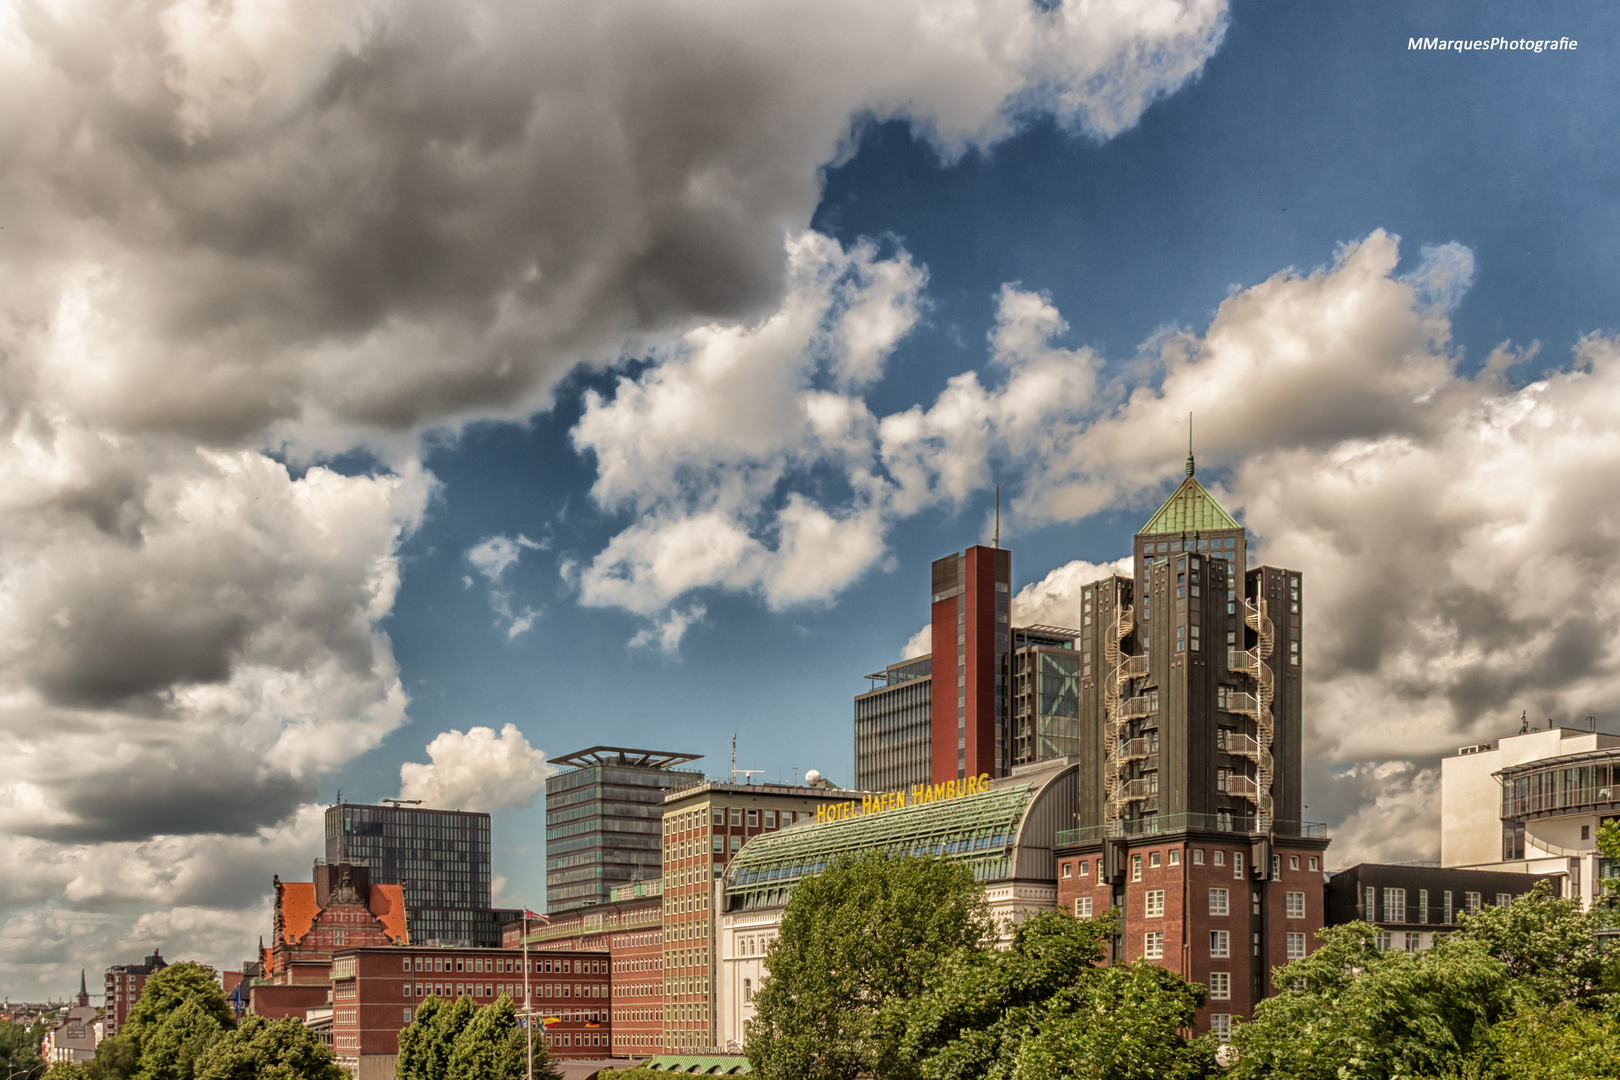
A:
x: 1219, y: 909
x: 637, y: 961
x: 376, y: 991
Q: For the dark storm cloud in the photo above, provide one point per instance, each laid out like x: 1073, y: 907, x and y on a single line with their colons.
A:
x: 185, y: 795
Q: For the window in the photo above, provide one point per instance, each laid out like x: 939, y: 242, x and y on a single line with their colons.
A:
x: 1153, y: 857
x: 1423, y: 906
x: 1220, y: 986
x: 1414, y: 941
x: 1237, y: 864
x: 1155, y: 903
x: 736, y: 817
x: 407, y: 964
x: 1223, y: 699
x: 770, y: 819
x: 1221, y: 1025
x: 1394, y: 905
x: 407, y: 989
x: 1220, y: 858
x: 1369, y: 909
x: 753, y: 818
x: 1296, y: 946
x: 719, y: 818
x: 407, y: 1016
x: 1223, y: 779
x: 1153, y: 945
x: 1219, y: 901
x: 1136, y: 868
x: 1313, y: 864
x: 1175, y: 858
x: 1445, y: 906
x: 1296, y: 905
x: 1220, y: 944
x: 719, y: 844
x: 1276, y: 868
x: 1085, y: 867
x: 1082, y: 907
x: 1293, y: 862
x: 1198, y: 857
x: 1384, y: 941
x: 736, y: 844
x: 1471, y: 902
x: 1504, y: 899
x: 1068, y: 869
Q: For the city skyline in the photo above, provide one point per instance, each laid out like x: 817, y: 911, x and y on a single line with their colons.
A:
x: 360, y: 444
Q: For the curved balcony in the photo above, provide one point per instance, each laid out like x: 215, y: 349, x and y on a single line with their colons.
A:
x: 1586, y: 783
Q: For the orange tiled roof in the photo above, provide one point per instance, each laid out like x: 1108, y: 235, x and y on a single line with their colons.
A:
x: 298, y: 909
x: 388, y: 904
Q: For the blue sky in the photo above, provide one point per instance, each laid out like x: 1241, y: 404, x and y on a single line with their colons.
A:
x: 371, y: 379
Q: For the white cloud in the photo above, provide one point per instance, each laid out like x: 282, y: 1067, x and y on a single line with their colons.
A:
x: 668, y: 629
x: 477, y: 770
x: 493, y: 557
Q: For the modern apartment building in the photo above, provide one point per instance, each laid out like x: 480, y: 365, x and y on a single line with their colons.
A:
x: 123, y: 989
x: 604, y: 817
x: 971, y: 598
x: 442, y: 857
x: 1411, y: 904
x: 705, y: 826
x: 893, y: 735
x: 1533, y: 804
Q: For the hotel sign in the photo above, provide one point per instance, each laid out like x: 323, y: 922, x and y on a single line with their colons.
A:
x: 897, y: 800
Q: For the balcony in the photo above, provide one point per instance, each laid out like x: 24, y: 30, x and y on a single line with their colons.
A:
x: 1134, y: 667
x: 1136, y: 708
x: 1244, y: 746
x: 1137, y: 749
x: 1243, y: 787
x: 1137, y: 790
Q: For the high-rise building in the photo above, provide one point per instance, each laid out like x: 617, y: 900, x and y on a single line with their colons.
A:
x: 123, y: 989
x: 1189, y: 816
x: 603, y: 819
x: 442, y: 857
x: 705, y: 826
x: 893, y: 740
x: 971, y: 595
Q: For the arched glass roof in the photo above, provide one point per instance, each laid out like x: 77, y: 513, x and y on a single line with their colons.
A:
x: 978, y: 829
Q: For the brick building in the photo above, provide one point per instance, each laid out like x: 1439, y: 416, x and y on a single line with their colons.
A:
x: 377, y: 990
x: 339, y: 909
x: 123, y: 989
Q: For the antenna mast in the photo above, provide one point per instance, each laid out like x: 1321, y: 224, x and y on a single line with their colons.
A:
x: 996, y: 542
x: 733, y: 757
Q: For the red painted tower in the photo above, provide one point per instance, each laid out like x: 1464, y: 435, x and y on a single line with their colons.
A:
x: 971, y: 593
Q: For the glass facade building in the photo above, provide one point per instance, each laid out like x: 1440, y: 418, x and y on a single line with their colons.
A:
x: 892, y: 732
x: 604, y: 821
x: 1045, y: 693
x: 442, y: 857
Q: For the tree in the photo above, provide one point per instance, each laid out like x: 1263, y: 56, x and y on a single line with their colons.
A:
x: 66, y: 1070
x: 19, y: 1052
x: 1046, y: 1008
x: 412, y: 1061
x: 270, y: 1050
x: 166, y: 990
x: 1563, y: 1043
x: 1349, y: 1011
x: 1548, y: 944
x: 172, y: 1046
x: 117, y: 1058
x: 494, y: 1047
x: 1608, y: 842
x: 864, y: 932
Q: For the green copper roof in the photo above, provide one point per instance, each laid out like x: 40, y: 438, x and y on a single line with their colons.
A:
x: 978, y: 829
x: 1190, y: 509
x: 702, y: 1064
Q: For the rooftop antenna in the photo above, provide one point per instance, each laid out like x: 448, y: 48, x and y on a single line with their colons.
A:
x: 397, y: 803
x: 1591, y: 722
x: 996, y: 541
x: 1189, y: 445
x: 1524, y: 722
x: 733, y: 757
x: 748, y: 775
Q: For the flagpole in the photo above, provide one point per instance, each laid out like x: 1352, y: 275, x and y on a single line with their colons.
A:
x: 528, y: 1008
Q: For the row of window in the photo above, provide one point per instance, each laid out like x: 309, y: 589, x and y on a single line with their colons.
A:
x: 1220, y: 903
x: 513, y: 965
x: 1395, y: 908
x: 511, y: 990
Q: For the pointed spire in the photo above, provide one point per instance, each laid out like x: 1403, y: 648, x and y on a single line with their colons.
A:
x: 1189, y: 445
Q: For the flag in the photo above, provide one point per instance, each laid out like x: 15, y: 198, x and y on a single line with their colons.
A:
x: 549, y: 1020
x: 536, y: 916
x: 592, y: 1023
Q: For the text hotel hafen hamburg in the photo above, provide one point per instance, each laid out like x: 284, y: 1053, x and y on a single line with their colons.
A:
x: 1535, y: 45
x: 895, y: 800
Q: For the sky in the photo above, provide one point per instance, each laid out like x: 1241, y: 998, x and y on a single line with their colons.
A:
x: 397, y: 396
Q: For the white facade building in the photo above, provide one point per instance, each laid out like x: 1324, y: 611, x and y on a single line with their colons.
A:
x: 1532, y: 803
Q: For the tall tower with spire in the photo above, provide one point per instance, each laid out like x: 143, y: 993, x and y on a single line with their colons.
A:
x: 84, y: 992
x: 1191, y: 719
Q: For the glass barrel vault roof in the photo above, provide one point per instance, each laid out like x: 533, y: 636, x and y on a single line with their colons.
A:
x: 978, y: 829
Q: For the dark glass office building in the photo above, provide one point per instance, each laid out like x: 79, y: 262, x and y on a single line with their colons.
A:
x: 604, y: 821
x: 440, y: 856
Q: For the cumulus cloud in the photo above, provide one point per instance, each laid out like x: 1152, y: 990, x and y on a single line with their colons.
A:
x: 477, y: 770
x: 246, y: 234
x: 667, y: 631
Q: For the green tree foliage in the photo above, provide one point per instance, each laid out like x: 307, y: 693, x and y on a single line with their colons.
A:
x: 1547, y: 943
x: 167, y: 990
x: 117, y: 1058
x: 66, y: 1070
x: 1044, y: 1009
x: 19, y: 1051
x: 460, y: 1041
x: 172, y: 1045
x: 1608, y: 842
x: 863, y: 933
x: 1564, y: 1043
x: 269, y: 1050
